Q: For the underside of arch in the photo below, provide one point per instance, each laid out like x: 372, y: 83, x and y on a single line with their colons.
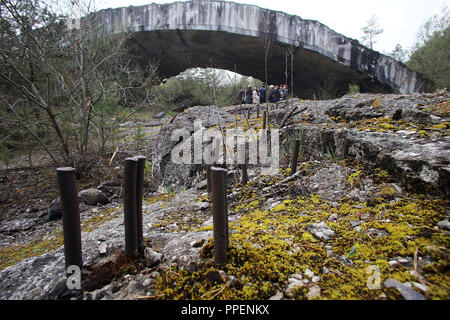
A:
x: 178, y: 50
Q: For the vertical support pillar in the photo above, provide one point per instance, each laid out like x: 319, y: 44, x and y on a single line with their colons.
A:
x: 244, y: 165
x: 295, y: 156
x: 71, y: 216
x: 208, y: 178
x: 139, y: 194
x: 220, y: 217
x: 264, y: 119
x: 129, y: 206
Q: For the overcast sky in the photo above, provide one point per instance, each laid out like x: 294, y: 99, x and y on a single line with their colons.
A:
x: 400, y: 19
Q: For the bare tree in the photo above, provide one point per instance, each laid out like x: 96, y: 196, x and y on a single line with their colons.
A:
x: 370, y: 31
x: 60, y: 76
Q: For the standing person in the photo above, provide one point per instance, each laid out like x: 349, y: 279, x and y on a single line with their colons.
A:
x: 276, y: 94
x: 262, y: 94
x: 248, y: 95
x: 271, y: 93
x: 281, y: 92
x: 256, y: 96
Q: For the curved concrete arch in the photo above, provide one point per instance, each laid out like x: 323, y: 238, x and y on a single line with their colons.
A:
x: 229, y: 35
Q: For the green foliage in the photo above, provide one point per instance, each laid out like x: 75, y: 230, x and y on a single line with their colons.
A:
x: 431, y: 56
x: 138, y: 137
x: 66, y: 88
x: 399, y: 53
x: 147, y: 170
x: 331, y: 151
x: 353, y: 88
x: 204, y: 87
x: 433, y: 60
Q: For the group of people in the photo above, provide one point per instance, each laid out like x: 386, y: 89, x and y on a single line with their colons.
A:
x: 259, y: 95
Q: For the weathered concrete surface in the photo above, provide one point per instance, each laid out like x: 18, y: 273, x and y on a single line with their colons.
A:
x: 174, y: 176
x: 229, y: 35
x: 43, y: 277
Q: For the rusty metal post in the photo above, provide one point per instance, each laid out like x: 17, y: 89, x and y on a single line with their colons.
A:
x: 295, y: 156
x: 244, y: 174
x: 220, y: 218
x: 208, y: 178
x: 225, y: 200
x: 71, y: 216
x: 139, y: 194
x: 244, y: 165
x: 264, y: 119
x: 129, y: 206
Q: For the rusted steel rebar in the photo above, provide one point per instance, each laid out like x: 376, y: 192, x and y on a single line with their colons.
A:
x: 244, y: 174
x: 129, y: 206
x: 294, y: 158
x: 70, y: 216
x: 139, y: 194
x: 244, y: 165
x: 264, y: 119
x: 220, y: 217
x: 208, y: 178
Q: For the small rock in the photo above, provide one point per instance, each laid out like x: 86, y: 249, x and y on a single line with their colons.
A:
x: 309, y: 273
x: 321, y: 230
x: 100, y: 293
x: 32, y: 209
x: 278, y: 296
x: 354, y: 223
x: 55, y: 211
x: 315, y: 279
x: 152, y: 258
x: 346, y: 260
x: 444, y: 225
x: 403, y: 260
x: 409, y: 285
x: 377, y: 233
x: 132, y: 287
x: 297, y: 276
x: 92, y: 197
x: 147, y: 282
x: 223, y: 274
x: 333, y: 217
x: 420, y: 286
x: 159, y: 115
x: 102, y: 248
x: 202, y: 205
x: 313, y: 292
x: 154, y: 274
x: 292, y: 286
x: 393, y: 263
x: 405, y: 291
x: 213, y: 277
x: 198, y: 243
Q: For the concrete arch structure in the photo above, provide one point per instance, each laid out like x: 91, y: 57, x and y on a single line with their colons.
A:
x: 229, y: 35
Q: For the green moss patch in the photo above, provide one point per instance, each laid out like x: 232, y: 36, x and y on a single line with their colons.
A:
x: 268, y: 246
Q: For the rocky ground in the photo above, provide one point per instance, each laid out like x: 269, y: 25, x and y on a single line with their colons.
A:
x: 364, y: 217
